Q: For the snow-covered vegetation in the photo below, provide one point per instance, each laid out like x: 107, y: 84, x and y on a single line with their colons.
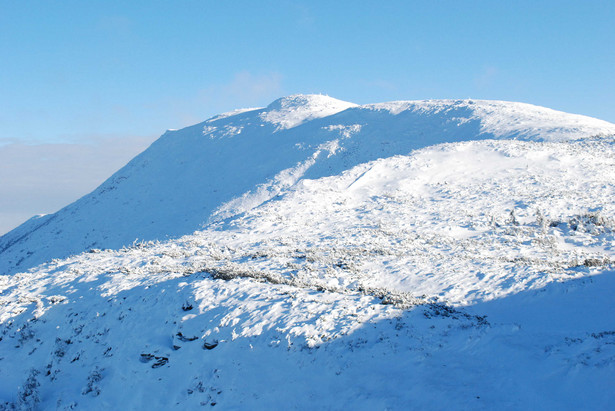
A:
x: 319, y: 254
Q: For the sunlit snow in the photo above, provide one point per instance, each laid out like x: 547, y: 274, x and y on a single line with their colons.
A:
x: 448, y: 254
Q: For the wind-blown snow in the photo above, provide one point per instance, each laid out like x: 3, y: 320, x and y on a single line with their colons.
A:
x: 423, y: 255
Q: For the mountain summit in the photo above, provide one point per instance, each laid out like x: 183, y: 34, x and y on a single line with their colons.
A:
x: 291, y: 111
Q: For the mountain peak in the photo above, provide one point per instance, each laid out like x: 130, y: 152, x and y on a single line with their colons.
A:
x: 306, y: 100
x: 291, y: 111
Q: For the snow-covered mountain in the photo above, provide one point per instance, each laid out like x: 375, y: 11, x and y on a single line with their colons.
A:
x: 236, y: 161
x: 315, y: 253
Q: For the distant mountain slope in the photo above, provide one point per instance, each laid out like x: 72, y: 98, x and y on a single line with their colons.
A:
x: 236, y: 161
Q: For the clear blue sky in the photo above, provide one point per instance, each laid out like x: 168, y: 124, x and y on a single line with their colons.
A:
x: 75, y: 68
x: 122, y: 72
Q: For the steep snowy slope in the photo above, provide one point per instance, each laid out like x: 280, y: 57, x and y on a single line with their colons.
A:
x: 236, y: 161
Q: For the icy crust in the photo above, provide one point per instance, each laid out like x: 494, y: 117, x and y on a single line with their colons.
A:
x: 465, y: 275
x: 233, y: 163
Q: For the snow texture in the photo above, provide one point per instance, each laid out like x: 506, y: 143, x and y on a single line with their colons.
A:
x: 448, y: 254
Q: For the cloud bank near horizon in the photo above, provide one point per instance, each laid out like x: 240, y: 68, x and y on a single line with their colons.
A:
x: 42, y: 178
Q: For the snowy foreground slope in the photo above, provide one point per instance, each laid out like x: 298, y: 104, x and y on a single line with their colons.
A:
x: 406, y: 255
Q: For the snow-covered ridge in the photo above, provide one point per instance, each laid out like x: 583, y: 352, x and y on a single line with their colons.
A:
x: 504, y: 119
x: 234, y: 162
x: 230, y: 114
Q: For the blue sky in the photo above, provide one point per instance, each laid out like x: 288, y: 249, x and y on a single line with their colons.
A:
x: 94, y: 72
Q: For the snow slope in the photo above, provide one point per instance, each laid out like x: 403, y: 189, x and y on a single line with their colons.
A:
x: 237, y: 161
x: 406, y: 255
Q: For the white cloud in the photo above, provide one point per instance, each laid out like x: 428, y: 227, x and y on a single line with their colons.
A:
x: 249, y: 88
x: 42, y: 178
x: 243, y: 90
x: 486, y: 77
